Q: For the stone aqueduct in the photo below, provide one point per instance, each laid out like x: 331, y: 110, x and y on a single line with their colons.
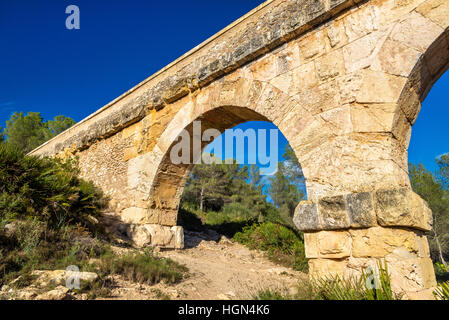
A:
x: 342, y: 79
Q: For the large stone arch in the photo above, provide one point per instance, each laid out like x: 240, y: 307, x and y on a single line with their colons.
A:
x: 343, y: 80
x: 223, y: 105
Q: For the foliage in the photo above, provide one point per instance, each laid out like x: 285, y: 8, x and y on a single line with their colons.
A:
x: 2, y: 136
x: 48, y: 190
x: 441, y: 271
x: 58, y: 125
x: 142, y: 267
x: 442, y: 292
x: 191, y: 218
x: 223, y: 188
x: 31, y: 245
x: 338, y: 288
x: 52, y: 249
x: 270, y: 294
x: 287, y: 186
x: 431, y: 189
x: 25, y: 133
x: 226, y: 193
x: 283, y: 245
x: 443, y: 172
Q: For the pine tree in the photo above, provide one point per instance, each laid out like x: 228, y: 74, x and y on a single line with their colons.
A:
x: 430, y: 189
x: 25, y: 133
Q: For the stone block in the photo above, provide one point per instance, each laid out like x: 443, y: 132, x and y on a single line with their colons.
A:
x: 178, y: 233
x: 402, y: 207
x: 333, y: 213
x: 330, y: 65
x: 406, y: 32
x: 436, y: 10
x: 327, y: 244
x: 361, y: 210
x: 361, y: 22
x: 134, y: 215
x: 377, y: 242
x: 312, y: 45
x: 373, y: 117
x: 374, y: 82
x: 395, y: 58
x: 359, y: 54
x: 319, y: 268
x: 161, y: 236
x: 410, y: 273
x: 306, y: 216
x: 132, y: 130
x: 336, y: 34
x: 139, y: 235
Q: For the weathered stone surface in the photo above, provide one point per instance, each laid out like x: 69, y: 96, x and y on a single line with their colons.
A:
x: 156, y: 235
x: 140, y: 235
x: 306, y: 216
x: 361, y: 22
x: 377, y: 242
x: 373, y: 117
x: 135, y: 215
x: 359, y: 53
x: 330, y: 65
x: 402, y: 207
x: 395, y: 58
x: 319, y: 268
x: 410, y: 273
x: 178, y: 234
x: 327, y: 244
x: 59, y: 293
x: 374, y: 82
x: 333, y: 213
x: 361, y: 210
x: 437, y: 11
x: 405, y: 32
x: 45, y: 278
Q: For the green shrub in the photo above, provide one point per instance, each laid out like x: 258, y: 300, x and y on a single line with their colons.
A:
x: 441, y: 272
x: 442, y: 292
x: 372, y: 285
x: 271, y: 294
x: 282, y: 244
x: 142, y: 267
x: 338, y: 288
x: 192, y: 219
x: 45, y: 189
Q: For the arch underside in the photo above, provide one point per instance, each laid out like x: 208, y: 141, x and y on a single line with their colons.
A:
x: 170, y: 178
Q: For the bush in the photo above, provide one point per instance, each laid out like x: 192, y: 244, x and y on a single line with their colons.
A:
x: 271, y: 294
x: 283, y: 245
x: 45, y: 189
x: 141, y: 267
x: 442, y: 292
x: 32, y: 246
x: 337, y: 288
x: 441, y: 272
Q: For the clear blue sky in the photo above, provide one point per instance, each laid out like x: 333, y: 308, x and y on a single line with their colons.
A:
x: 46, y: 68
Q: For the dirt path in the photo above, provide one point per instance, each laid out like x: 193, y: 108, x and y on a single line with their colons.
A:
x: 218, y: 269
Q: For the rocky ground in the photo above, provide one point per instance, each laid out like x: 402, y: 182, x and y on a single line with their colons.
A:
x: 218, y: 269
